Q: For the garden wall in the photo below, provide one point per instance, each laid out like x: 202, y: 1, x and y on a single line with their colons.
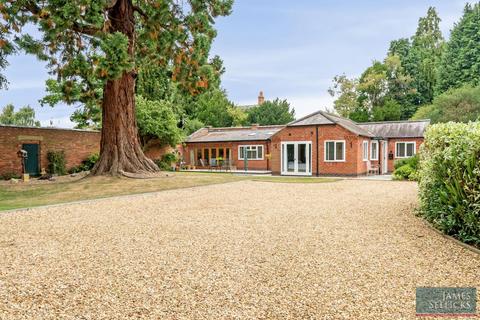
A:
x: 77, y: 144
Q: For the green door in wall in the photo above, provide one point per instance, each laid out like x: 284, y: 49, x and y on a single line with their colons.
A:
x: 31, y: 163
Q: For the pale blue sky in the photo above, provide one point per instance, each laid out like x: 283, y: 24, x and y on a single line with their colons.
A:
x: 289, y: 49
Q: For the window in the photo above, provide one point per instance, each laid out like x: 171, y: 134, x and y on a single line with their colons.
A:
x: 365, y: 150
x: 252, y: 152
x: 334, y: 151
x: 374, y: 150
x: 405, y: 149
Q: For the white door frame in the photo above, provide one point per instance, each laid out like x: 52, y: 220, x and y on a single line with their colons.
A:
x: 308, y: 157
x: 384, y: 156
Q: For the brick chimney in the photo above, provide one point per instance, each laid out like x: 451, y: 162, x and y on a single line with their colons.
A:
x: 254, y: 126
x: 261, y: 98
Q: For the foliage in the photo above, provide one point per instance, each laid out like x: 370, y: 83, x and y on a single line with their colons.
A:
x: 389, y: 111
x: 403, y: 173
x: 424, y: 56
x: 449, y: 179
x: 394, y: 88
x: 271, y: 113
x: 460, y: 63
x: 192, y: 125
x: 459, y: 105
x: 165, y: 163
x: 56, y: 162
x: 86, y: 165
x: 346, y: 91
x: 156, y: 120
x: 25, y: 116
x: 9, y: 176
x: 212, y: 107
x: 406, y: 169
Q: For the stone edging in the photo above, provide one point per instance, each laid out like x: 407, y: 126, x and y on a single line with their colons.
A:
x: 446, y: 236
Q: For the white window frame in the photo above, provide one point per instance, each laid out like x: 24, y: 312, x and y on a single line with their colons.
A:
x: 335, y: 150
x: 405, y: 142
x: 365, y: 150
x: 372, y: 148
x: 251, y: 146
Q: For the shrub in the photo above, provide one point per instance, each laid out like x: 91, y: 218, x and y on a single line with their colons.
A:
x: 165, y: 164
x: 56, y: 162
x: 450, y: 179
x: 403, y: 173
x: 10, y: 175
x: 406, y: 168
x: 86, y: 165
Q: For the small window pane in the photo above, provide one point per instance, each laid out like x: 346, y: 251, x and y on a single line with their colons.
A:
x: 401, y: 150
x: 339, y: 151
x: 242, y: 152
x: 410, y: 150
x: 374, y: 154
x: 330, y: 151
x: 260, y: 152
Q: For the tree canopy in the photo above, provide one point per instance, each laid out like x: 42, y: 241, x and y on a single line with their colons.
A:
x: 271, y: 113
x: 103, y: 44
x: 460, y: 63
x: 457, y: 104
x: 25, y: 116
x: 417, y: 76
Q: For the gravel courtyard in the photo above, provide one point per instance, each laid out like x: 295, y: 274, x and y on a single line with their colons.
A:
x: 245, y: 250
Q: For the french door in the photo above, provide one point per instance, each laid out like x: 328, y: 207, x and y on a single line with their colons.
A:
x: 297, y: 158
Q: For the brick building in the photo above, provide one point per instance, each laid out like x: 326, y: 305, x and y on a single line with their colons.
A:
x: 77, y: 145
x: 318, y: 144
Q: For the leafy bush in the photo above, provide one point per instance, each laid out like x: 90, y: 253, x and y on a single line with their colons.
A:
x: 56, y: 162
x: 406, y: 168
x: 165, y: 164
x: 86, y: 165
x: 450, y: 179
x: 403, y: 173
x: 10, y: 175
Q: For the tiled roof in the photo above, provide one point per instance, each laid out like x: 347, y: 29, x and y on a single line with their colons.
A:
x: 254, y: 133
x: 397, y: 129
x: 322, y: 117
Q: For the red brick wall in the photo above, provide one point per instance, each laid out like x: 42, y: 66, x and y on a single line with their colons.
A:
x: 252, y: 164
x: 78, y: 145
x: 391, y: 148
x: 353, y: 164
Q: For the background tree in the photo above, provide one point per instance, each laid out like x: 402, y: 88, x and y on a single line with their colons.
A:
x: 85, y: 41
x: 424, y: 56
x: 271, y: 113
x: 25, y: 116
x: 457, y: 104
x: 345, y: 90
x: 460, y: 63
x: 211, y: 108
x: 157, y: 121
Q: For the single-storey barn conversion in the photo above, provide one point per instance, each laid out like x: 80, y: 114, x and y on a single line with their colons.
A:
x: 319, y: 144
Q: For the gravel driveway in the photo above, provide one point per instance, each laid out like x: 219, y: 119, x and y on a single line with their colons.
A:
x: 245, y: 250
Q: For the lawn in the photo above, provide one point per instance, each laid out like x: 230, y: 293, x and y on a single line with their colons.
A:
x: 32, y: 195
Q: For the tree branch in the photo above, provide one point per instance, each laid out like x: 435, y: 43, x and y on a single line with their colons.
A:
x: 140, y: 11
x: 88, y: 30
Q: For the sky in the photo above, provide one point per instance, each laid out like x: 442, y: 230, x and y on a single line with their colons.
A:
x: 289, y: 49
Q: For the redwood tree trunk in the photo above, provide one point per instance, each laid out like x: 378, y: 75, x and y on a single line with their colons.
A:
x: 120, y: 149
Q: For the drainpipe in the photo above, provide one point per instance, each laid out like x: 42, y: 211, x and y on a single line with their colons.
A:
x: 268, y: 151
x: 318, y: 152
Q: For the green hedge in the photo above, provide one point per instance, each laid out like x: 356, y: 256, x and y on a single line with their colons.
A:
x: 56, y: 162
x: 450, y: 179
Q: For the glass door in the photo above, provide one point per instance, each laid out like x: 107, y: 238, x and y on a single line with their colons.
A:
x: 296, y: 158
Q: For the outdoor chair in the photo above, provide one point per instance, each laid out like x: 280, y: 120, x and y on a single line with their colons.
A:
x: 374, y: 169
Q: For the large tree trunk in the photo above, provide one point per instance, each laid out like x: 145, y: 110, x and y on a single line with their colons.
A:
x: 120, y: 149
